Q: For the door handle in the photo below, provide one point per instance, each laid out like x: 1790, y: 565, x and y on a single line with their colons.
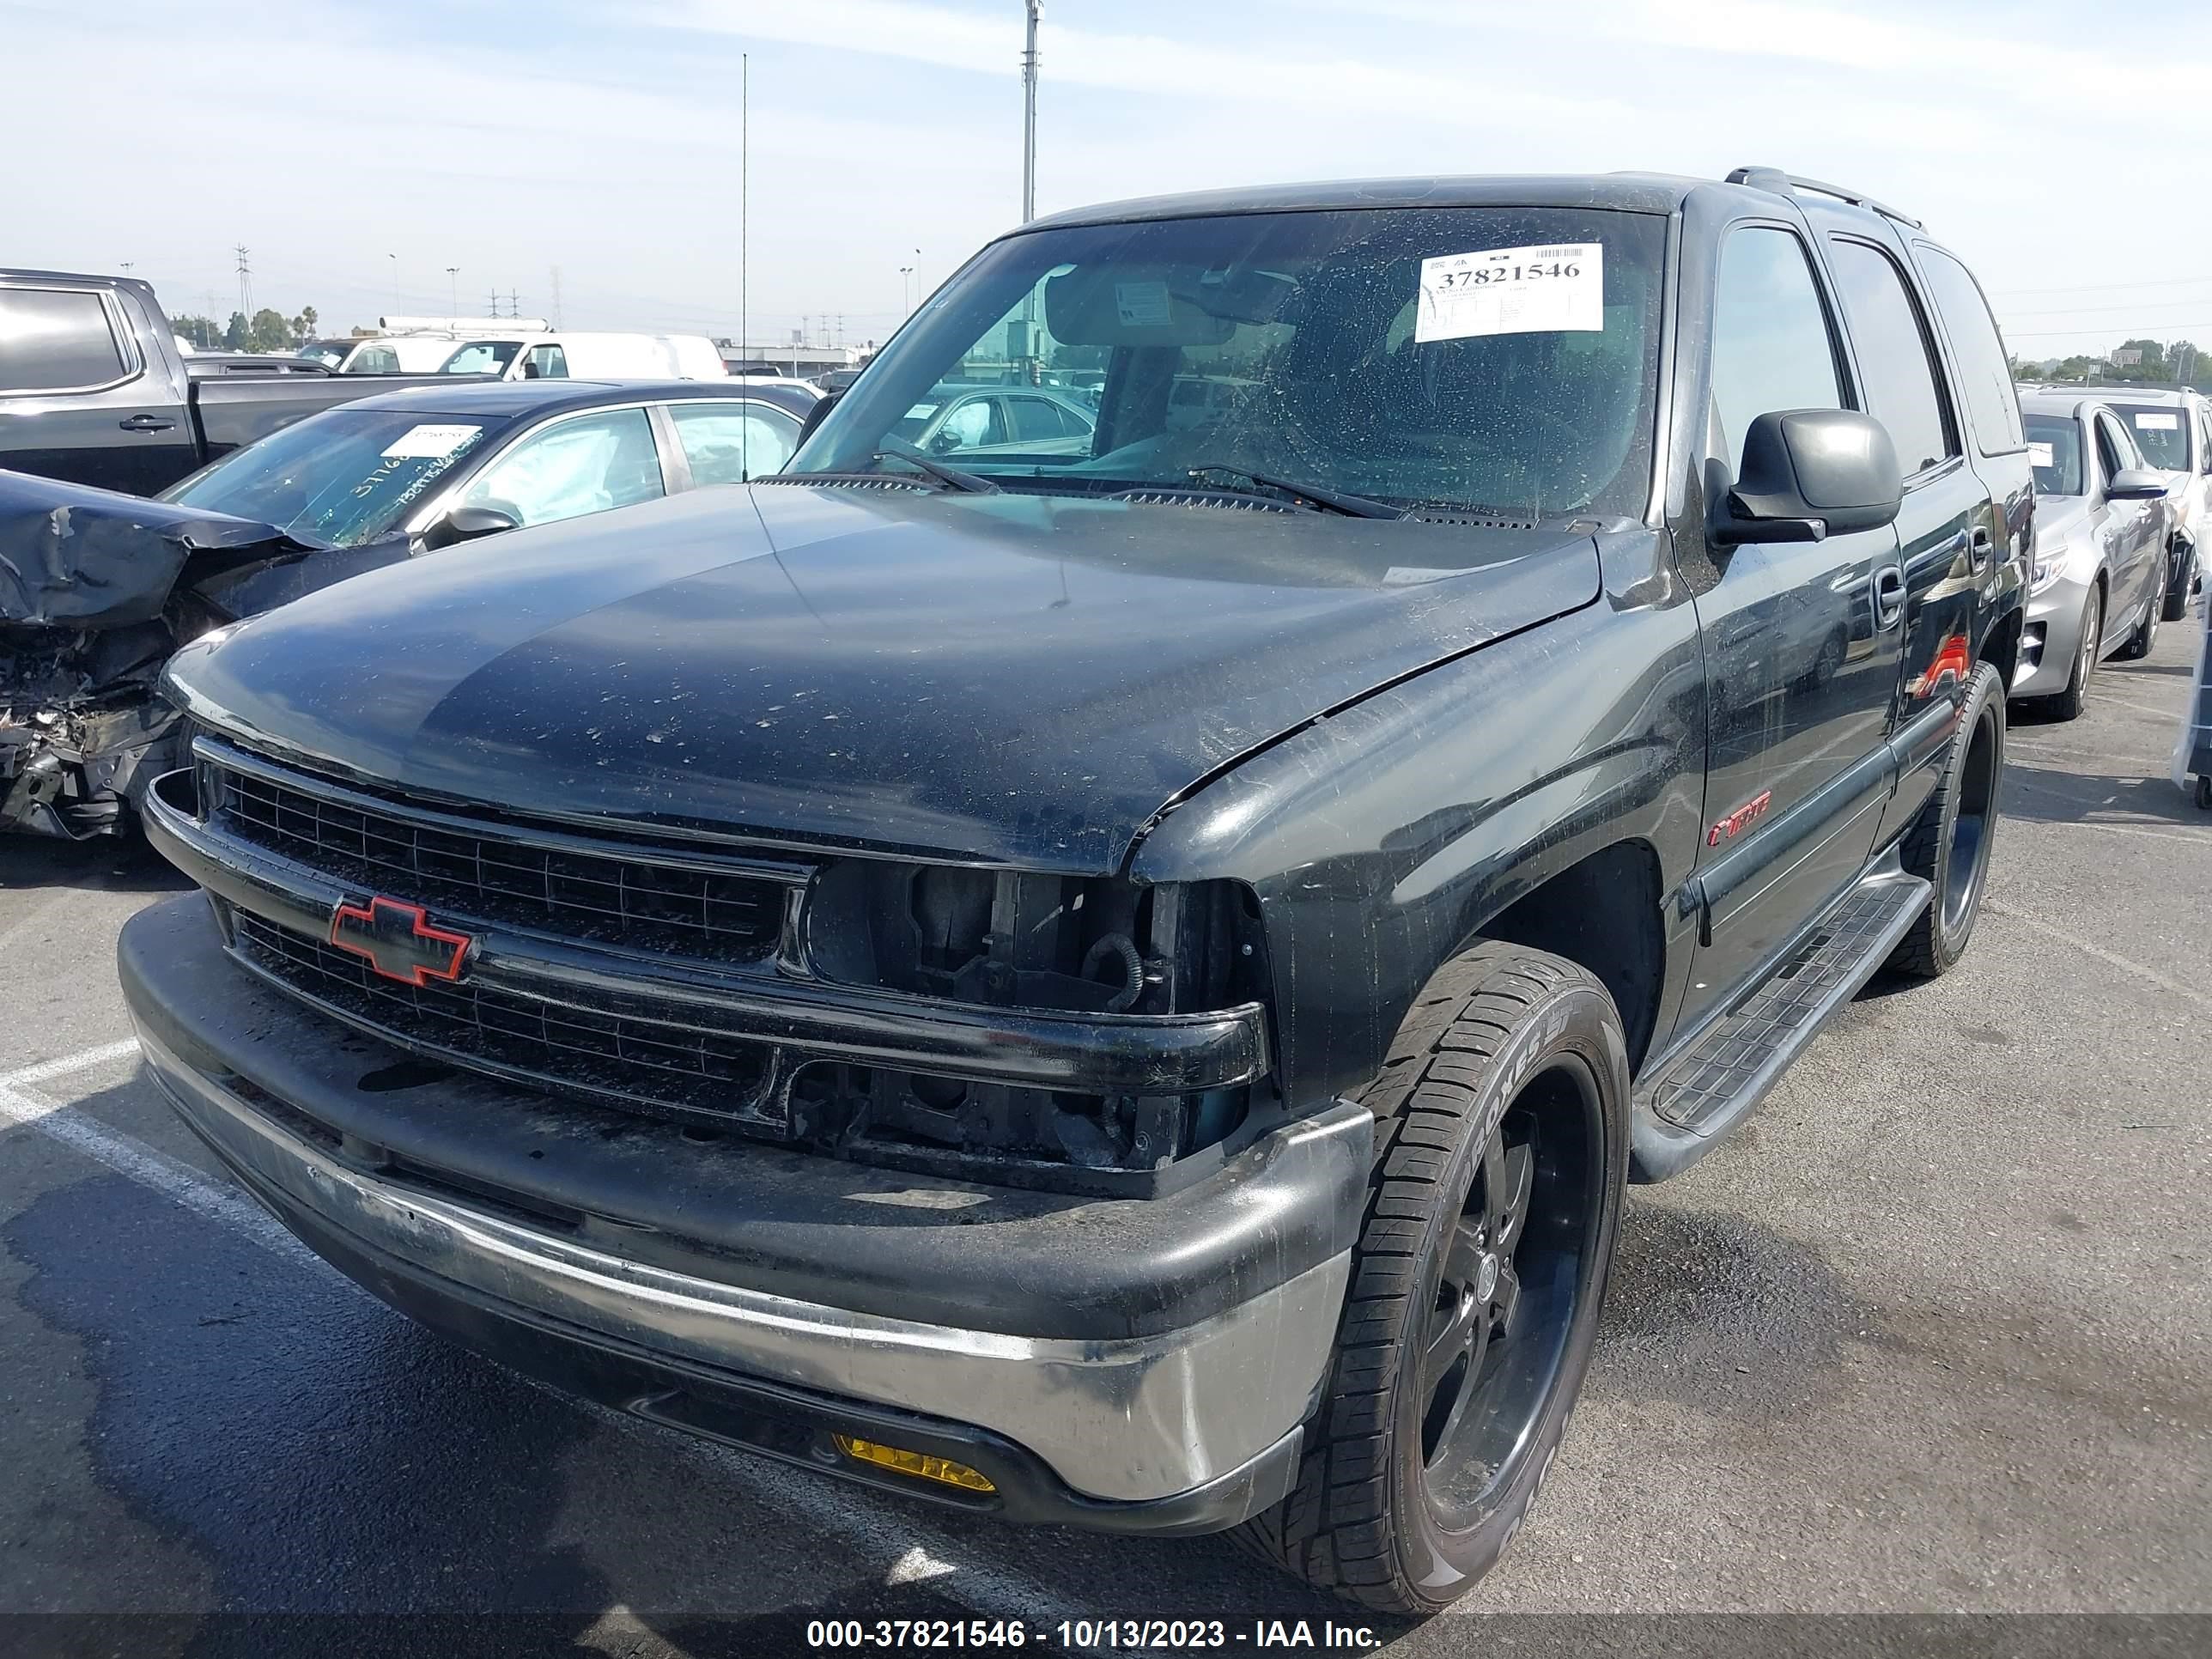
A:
x: 1888, y: 595
x: 146, y: 423
x: 1979, y: 548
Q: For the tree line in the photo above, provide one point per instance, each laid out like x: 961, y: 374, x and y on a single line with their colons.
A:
x: 2168, y: 363
x: 267, y: 330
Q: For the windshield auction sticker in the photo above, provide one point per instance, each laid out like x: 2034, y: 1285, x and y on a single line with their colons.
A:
x: 1512, y: 290
x: 2147, y: 422
x: 431, y: 443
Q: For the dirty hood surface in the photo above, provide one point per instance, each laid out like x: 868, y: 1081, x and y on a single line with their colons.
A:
x: 75, y: 556
x: 1009, y: 677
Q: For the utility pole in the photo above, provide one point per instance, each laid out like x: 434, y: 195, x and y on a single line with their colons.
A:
x: 556, y: 296
x: 245, y: 283
x: 744, y: 156
x: 1029, y: 115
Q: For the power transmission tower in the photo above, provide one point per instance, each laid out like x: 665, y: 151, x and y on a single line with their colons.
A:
x: 245, y: 283
x: 495, y: 302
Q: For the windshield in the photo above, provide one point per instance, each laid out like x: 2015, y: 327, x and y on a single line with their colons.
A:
x: 2054, y: 449
x: 1503, y: 359
x: 482, y: 357
x: 2162, y: 435
x: 329, y: 353
x: 344, y: 477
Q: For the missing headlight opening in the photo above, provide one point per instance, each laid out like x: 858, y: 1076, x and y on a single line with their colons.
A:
x: 1081, y: 944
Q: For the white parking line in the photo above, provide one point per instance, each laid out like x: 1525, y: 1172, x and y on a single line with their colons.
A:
x: 2111, y: 959
x: 148, y: 1166
x: 912, y: 1553
x: 46, y: 1070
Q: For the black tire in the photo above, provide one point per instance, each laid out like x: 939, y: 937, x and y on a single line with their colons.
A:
x: 1507, y: 1085
x: 2146, y: 635
x: 2068, y: 704
x: 2176, y: 606
x: 2205, y: 793
x: 1948, y: 845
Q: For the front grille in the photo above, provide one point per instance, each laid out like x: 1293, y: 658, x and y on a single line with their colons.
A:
x: 632, y: 1062
x: 604, y: 897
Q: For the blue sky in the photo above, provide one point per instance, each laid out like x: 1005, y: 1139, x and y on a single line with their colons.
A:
x: 602, y: 138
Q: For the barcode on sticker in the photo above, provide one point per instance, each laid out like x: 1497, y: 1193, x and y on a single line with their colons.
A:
x: 1512, y: 290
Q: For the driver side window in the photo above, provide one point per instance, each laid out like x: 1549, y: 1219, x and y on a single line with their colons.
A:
x: 572, y: 467
x: 1772, y: 347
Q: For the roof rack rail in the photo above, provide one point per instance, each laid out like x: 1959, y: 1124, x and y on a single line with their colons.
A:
x: 1782, y: 184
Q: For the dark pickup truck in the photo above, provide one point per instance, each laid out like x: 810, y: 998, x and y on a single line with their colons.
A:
x: 1121, y: 984
x: 93, y: 390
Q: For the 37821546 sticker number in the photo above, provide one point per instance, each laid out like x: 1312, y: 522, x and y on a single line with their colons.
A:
x: 1550, y: 289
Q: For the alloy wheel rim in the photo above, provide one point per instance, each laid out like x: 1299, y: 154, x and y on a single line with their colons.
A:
x: 2092, y: 624
x: 1970, y: 829
x: 1510, y: 1281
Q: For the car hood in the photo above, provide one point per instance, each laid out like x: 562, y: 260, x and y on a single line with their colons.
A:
x: 72, y: 556
x: 1007, y: 677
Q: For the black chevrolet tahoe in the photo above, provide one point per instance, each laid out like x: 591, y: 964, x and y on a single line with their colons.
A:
x: 1117, y: 977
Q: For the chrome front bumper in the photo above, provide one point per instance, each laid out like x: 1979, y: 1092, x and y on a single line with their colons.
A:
x: 1130, y: 1420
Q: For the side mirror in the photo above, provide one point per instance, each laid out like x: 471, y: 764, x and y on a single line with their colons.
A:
x: 944, y: 442
x: 2135, y: 484
x: 465, y: 524
x: 815, y: 415
x: 1808, y: 474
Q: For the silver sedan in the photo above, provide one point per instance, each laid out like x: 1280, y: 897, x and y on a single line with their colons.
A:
x: 2102, y: 521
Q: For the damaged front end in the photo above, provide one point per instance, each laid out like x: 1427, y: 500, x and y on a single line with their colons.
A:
x: 96, y: 589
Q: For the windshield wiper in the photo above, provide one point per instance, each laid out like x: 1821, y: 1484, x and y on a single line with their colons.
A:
x: 1315, y: 496
x: 950, y: 476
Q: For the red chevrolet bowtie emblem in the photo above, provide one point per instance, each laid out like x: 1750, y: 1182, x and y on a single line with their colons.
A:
x: 397, y: 940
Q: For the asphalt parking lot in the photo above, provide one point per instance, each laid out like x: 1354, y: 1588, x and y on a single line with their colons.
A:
x: 1933, y: 1335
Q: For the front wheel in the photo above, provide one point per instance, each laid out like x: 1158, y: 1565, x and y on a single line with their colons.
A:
x: 2068, y: 704
x: 1492, y: 1209
x: 1948, y: 845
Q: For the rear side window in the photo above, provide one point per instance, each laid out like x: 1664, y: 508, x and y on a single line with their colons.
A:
x: 56, y: 340
x: 1773, y: 349
x: 1893, y: 353
x: 545, y: 362
x: 1985, y: 379
x: 725, y: 444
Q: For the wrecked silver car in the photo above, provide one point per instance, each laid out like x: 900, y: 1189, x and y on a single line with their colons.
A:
x: 96, y: 589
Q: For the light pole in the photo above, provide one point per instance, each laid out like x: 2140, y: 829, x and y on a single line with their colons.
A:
x: 906, y: 288
x: 396, y: 306
x: 453, y: 290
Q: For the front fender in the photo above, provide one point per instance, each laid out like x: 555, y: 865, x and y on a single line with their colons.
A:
x: 1381, y: 839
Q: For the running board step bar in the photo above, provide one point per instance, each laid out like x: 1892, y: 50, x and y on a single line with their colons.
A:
x: 1684, y: 1108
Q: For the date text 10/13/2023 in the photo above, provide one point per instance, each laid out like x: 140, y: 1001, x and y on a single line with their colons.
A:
x: 1090, y: 1633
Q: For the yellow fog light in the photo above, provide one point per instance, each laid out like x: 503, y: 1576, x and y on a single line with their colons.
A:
x: 942, y: 1469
